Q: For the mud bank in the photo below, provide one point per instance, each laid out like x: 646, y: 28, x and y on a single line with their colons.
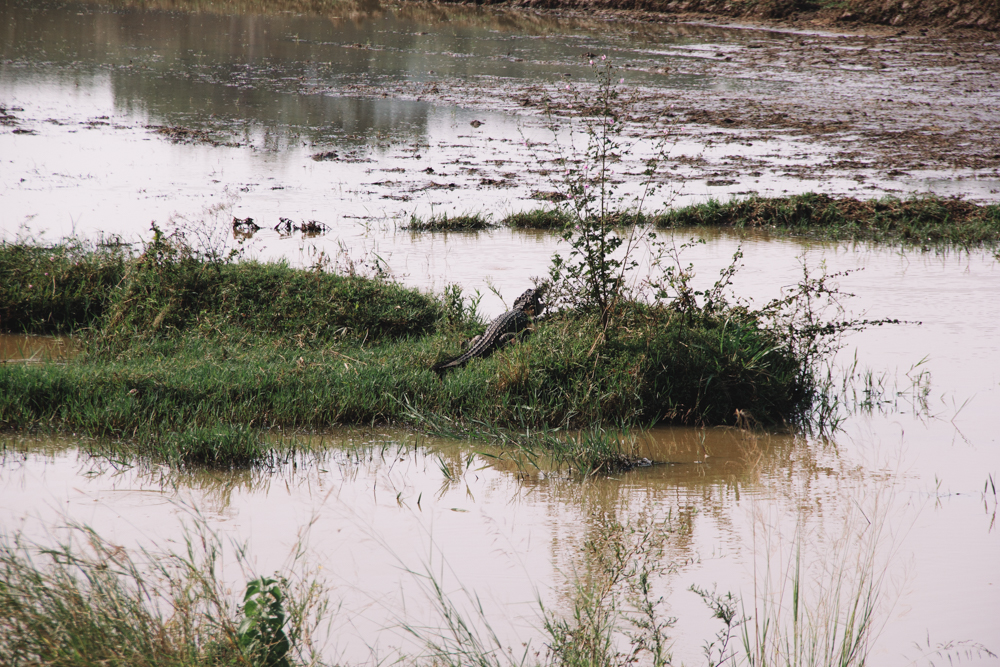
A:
x: 849, y: 15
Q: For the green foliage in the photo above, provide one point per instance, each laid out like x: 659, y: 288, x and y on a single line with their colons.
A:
x: 261, y: 635
x: 200, y: 398
x: 923, y: 221
x: 614, y: 598
x: 86, y: 601
x: 591, y: 275
x: 170, y: 288
x: 444, y: 223
x: 555, y: 218
x: 56, y: 289
x: 601, y: 224
x: 222, y: 446
x: 614, y: 618
x: 65, y: 606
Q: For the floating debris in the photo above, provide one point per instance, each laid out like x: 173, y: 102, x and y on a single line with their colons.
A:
x: 186, y: 135
x: 548, y: 196
x: 286, y: 226
x: 312, y: 228
x: 244, y: 226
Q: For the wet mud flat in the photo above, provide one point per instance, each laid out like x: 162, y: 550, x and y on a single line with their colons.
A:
x: 874, y: 113
x: 374, y: 113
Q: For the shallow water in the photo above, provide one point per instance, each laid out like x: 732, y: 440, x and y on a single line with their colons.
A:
x: 87, y: 81
x: 389, y: 94
x: 36, y: 349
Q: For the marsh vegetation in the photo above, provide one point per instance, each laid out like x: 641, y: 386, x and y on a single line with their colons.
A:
x: 198, y: 373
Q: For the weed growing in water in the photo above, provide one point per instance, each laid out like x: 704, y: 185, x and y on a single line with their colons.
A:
x: 261, y: 635
x: 614, y: 618
x: 466, y: 222
x: 584, y: 453
x: 613, y: 601
x: 922, y: 221
x: 818, y: 600
x: 593, y: 274
x: 555, y: 219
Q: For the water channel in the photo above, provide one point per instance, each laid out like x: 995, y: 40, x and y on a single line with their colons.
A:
x: 121, y: 116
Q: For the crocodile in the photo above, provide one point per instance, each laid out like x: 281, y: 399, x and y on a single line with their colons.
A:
x: 500, y: 332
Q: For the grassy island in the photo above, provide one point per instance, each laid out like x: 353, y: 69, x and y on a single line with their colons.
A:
x: 189, y: 358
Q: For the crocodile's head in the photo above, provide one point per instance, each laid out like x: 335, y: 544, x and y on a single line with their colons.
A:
x: 530, y: 303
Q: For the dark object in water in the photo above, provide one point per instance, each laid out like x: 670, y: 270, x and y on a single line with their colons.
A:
x: 244, y: 226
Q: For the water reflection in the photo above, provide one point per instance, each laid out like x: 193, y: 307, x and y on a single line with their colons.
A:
x: 378, y: 501
x: 36, y: 349
x: 239, y: 72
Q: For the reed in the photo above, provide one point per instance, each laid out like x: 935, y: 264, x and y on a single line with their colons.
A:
x: 85, y: 601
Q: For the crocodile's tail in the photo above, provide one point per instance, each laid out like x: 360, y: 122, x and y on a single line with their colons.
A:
x: 443, y: 366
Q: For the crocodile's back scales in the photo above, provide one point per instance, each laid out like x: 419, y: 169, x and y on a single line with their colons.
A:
x: 501, y: 331
x: 498, y: 333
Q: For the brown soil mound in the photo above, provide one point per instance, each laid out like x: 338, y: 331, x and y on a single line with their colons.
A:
x: 940, y: 14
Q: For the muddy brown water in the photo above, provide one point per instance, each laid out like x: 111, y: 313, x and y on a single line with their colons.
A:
x: 392, y: 91
x: 36, y: 349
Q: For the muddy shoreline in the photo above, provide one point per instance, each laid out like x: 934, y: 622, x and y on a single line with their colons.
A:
x: 854, y: 16
x: 871, y: 111
x: 420, y: 108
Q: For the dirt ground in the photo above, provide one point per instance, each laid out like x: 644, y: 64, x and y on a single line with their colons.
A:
x: 941, y: 16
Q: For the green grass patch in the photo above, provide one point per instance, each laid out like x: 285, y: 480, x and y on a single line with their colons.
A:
x: 119, y: 299
x: 541, y: 218
x: 189, y: 360
x: 922, y: 221
x: 568, y: 373
x: 86, y: 601
x: 469, y: 222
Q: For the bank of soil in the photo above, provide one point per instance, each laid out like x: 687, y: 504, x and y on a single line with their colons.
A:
x: 942, y: 15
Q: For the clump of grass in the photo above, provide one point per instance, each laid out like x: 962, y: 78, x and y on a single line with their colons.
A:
x: 922, y: 221
x: 87, y: 601
x: 221, y: 446
x: 466, y: 222
x: 58, y: 288
x: 169, y: 288
x: 586, y: 452
x: 550, y: 219
x: 541, y: 218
